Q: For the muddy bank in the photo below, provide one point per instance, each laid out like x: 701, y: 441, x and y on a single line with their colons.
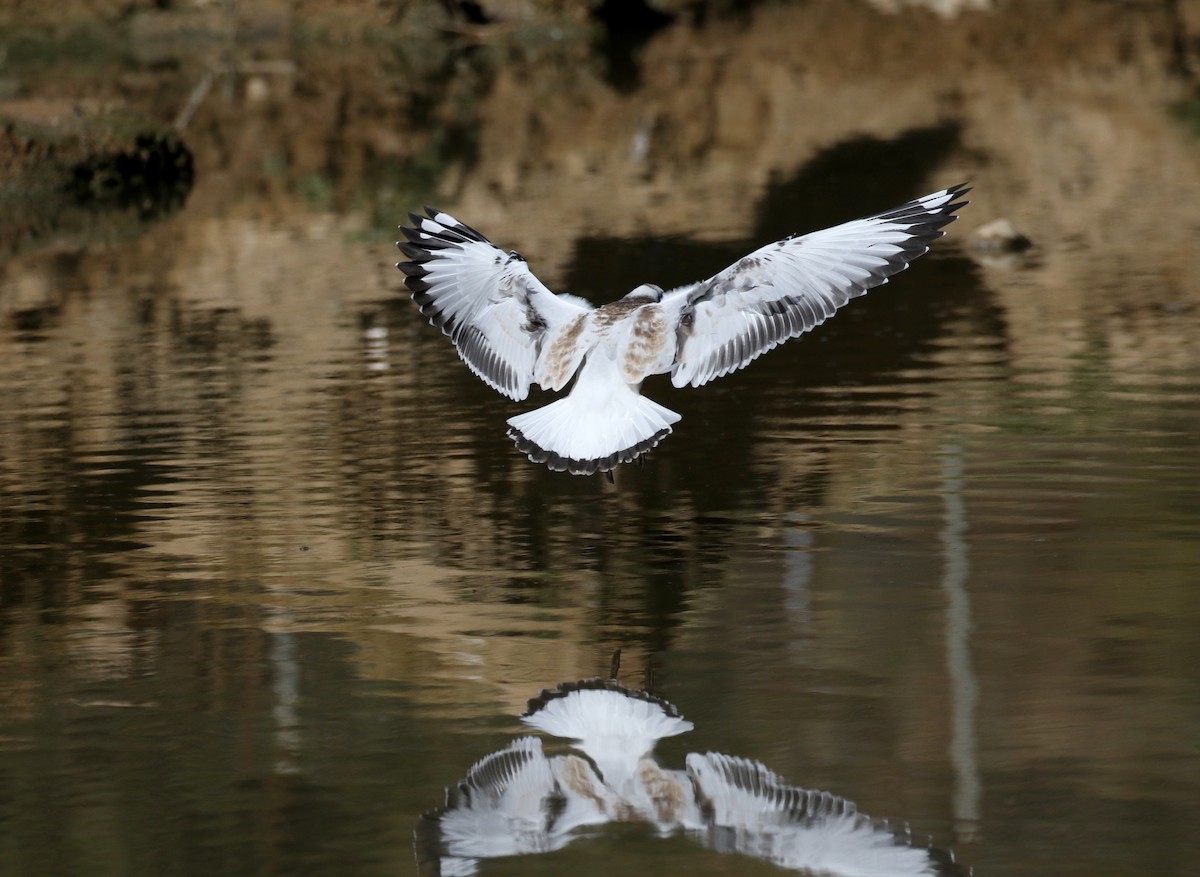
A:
x: 1062, y: 114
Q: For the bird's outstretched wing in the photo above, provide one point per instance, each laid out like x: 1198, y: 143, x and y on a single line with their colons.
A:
x: 494, y: 309
x: 786, y: 288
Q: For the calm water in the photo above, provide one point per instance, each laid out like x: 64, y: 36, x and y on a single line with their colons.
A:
x: 272, y: 576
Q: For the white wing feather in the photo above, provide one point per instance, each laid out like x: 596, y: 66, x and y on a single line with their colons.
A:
x: 497, y: 313
x: 784, y: 289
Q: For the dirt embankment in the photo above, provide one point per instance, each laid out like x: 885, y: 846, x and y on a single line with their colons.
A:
x: 1059, y: 112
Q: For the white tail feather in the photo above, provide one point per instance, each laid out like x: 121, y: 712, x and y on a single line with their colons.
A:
x: 602, y: 423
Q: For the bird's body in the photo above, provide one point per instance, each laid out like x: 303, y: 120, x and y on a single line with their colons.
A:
x: 605, y: 420
x: 512, y: 331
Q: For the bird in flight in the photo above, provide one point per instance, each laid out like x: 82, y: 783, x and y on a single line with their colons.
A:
x: 512, y: 331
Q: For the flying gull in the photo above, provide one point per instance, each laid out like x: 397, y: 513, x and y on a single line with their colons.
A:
x: 512, y: 331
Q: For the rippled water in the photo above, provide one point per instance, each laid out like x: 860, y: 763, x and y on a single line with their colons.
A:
x: 272, y: 576
x: 270, y: 584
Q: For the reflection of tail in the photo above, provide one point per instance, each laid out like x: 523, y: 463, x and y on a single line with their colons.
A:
x: 592, y: 708
x: 613, y: 725
x: 602, y: 423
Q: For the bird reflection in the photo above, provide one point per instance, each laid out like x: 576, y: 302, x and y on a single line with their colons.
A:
x: 519, y: 801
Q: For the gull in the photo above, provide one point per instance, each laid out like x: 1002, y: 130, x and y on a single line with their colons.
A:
x: 521, y: 801
x: 512, y: 331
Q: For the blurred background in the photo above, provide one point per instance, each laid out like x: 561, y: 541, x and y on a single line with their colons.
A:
x: 272, y: 576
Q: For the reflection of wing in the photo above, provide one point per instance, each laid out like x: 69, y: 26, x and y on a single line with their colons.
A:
x: 491, y: 305
x: 784, y: 289
x: 506, y: 805
x: 512, y: 802
x: 613, y: 725
x: 740, y: 791
x: 753, y: 812
x: 517, y: 801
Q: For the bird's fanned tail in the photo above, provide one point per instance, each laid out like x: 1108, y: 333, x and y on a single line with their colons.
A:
x: 602, y: 423
x: 570, y: 436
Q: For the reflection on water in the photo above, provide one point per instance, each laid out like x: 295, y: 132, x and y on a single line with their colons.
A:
x: 517, y: 801
x: 963, y: 686
x: 270, y: 575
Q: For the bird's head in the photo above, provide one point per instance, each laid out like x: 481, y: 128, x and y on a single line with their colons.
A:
x: 647, y: 293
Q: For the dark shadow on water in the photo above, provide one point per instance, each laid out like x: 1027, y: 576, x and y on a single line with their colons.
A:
x: 862, y: 345
x: 628, y: 27
x: 95, y: 186
x: 855, y: 178
x: 860, y: 176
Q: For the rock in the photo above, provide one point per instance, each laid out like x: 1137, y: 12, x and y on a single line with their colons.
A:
x: 1000, y: 236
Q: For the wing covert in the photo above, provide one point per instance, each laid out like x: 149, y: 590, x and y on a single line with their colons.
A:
x: 491, y: 305
x: 786, y: 288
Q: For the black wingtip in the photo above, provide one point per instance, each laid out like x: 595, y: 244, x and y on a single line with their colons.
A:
x: 957, y: 199
x: 959, y: 191
x: 412, y: 269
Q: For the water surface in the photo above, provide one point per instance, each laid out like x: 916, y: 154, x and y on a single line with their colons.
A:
x: 272, y: 576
